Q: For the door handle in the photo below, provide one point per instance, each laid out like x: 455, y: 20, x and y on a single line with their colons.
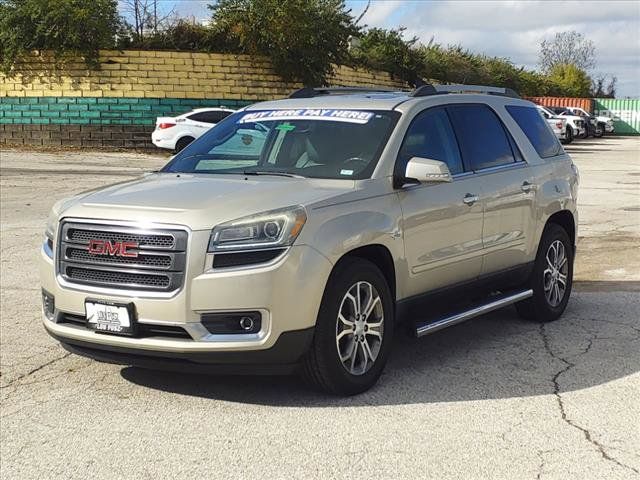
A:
x: 527, y: 187
x: 470, y: 199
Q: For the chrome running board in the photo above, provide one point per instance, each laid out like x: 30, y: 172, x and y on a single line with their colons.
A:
x: 495, y: 303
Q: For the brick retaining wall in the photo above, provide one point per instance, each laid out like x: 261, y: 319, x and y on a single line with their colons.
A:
x: 131, y: 89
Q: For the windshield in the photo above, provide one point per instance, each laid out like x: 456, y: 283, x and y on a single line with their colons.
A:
x: 315, y: 143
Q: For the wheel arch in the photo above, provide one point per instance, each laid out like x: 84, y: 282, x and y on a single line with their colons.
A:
x: 566, y: 220
x: 381, y: 257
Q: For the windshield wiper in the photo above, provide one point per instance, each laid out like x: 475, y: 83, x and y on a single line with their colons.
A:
x: 271, y: 172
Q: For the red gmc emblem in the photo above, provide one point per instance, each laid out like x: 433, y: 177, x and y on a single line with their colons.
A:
x: 115, y: 249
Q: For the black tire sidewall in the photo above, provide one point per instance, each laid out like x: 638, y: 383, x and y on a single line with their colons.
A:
x: 182, y: 143
x: 344, y: 277
x: 542, y: 310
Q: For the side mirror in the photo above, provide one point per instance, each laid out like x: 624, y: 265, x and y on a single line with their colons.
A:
x: 425, y: 170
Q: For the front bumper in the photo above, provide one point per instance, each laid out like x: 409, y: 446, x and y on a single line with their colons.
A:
x: 283, y: 358
x: 287, y: 292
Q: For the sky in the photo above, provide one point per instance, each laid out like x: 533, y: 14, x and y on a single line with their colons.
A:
x: 511, y: 29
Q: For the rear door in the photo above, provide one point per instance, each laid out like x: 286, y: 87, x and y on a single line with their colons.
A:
x: 507, y: 184
x: 442, y: 222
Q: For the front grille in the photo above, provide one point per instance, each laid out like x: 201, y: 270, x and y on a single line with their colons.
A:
x: 83, y: 256
x: 144, y: 330
x: 158, y: 241
x: 155, y: 262
x: 107, y: 277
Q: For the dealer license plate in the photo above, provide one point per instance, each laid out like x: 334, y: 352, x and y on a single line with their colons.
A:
x: 107, y: 317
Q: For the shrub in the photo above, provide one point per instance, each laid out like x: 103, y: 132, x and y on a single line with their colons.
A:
x: 387, y: 50
x: 303, y: 38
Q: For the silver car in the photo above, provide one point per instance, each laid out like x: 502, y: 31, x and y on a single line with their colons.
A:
x: 356, y: 212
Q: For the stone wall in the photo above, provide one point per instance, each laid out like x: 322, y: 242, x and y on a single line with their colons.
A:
x: 99, y: 108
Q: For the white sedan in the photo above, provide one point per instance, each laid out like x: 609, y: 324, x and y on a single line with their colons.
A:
x: 175, y: 133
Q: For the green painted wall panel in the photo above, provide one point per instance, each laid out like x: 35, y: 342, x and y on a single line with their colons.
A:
x: 624, y: 112
x: 100, y: 111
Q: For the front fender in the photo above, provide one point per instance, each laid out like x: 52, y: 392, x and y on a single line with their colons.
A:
x: 341, y: 228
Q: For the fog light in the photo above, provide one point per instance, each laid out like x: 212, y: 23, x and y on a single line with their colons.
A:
x: 232, y: 322
x: 48, y: 305
x: 246, y: 323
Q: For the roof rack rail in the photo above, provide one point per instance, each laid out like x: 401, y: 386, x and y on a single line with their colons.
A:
x: 309, y: 92
x: 424, y: 91
x: 461, y: 88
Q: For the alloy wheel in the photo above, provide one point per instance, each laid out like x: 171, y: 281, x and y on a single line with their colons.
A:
x: 555, y: 274
x: 360, y: 328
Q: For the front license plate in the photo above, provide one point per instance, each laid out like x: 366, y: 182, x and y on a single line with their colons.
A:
x: 107, y: 317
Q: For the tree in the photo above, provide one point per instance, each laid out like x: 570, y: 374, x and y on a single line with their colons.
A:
x: 145, y: 17
x: 387, y: 50
x: 571, y: 80
x: 303, y: 38
x: 604, y: 86
x: 65, y: 27
x: 567, y: 48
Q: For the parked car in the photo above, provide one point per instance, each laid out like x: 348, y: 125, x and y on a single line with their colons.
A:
x: 362, y: 209
x: 562, y: 131
x: 577, y: 123
x: 602, y: 123
x: 175, y: 133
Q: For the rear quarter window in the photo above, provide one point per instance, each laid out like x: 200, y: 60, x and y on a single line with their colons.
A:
x: 536, y: 130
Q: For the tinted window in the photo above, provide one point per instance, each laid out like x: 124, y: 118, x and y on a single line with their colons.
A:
x: 208, y: 117
x: 483, y: 140
x: 536, y: 129
x: 431, y: 136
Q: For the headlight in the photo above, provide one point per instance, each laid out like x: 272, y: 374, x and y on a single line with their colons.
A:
x: 276, y: 228
x: 50, y: 229
x: 49, y: 234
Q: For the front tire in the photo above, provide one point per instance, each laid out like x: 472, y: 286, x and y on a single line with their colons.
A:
x: 552, y: 277
x: 568, y: 137
x: 354, y: 330
x: 599, y: 132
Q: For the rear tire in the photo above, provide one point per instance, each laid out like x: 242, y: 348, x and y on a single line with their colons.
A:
x: 354, y: 330
x: 182, y: 143
x: 552, y: 277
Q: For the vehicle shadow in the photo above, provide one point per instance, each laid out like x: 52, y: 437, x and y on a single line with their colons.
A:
x: 495, y: 356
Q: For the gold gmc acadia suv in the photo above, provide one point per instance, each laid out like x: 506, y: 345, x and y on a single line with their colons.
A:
x: 298, y: 234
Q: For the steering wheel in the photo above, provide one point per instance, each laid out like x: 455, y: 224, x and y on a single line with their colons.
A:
x: 358, y: 164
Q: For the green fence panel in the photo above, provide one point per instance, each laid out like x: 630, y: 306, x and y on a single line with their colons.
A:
x: 624, y: 112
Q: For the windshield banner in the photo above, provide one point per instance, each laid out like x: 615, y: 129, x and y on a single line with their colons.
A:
x: 349, y: 116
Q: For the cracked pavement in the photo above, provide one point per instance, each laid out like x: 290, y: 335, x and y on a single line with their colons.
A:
x: 496, y: 397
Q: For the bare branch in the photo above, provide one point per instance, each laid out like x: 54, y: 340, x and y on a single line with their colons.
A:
x: 567, y: 48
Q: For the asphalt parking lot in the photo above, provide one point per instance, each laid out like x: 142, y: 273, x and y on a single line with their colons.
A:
x: 497, y: 397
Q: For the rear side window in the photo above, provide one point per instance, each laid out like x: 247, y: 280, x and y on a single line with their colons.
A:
x: 208, y: 117
x: 483, y: 140
x: 536, y: 130
x: 431, y: 136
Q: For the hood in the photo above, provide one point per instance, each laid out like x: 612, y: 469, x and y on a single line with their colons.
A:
x: 199, y: 201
